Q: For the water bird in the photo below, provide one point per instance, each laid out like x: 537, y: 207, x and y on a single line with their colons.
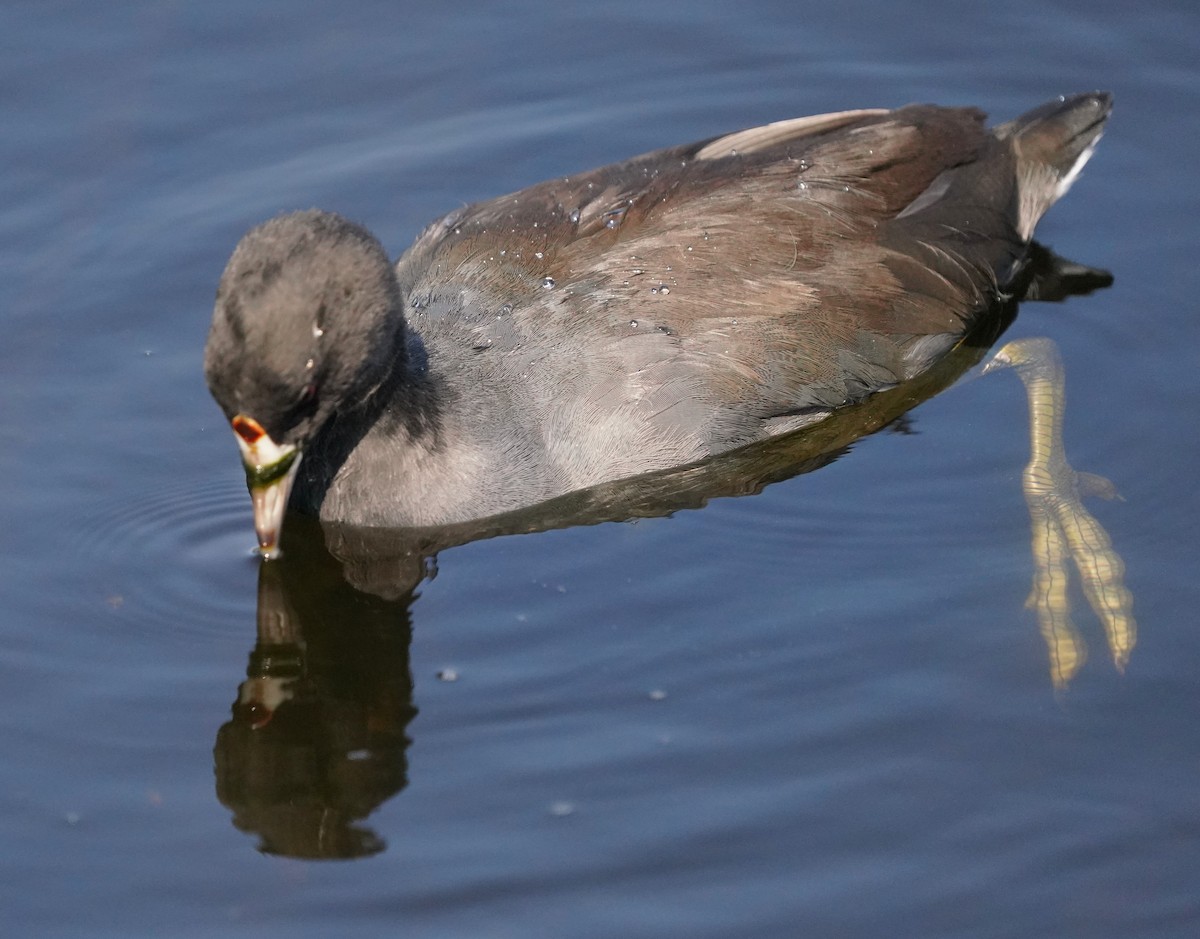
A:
x: 642, y: 316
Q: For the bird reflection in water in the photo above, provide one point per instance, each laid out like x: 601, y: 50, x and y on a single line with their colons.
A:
x: 317, y: 740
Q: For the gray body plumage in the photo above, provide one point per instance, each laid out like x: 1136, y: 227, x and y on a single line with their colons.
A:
x: 639, y: 317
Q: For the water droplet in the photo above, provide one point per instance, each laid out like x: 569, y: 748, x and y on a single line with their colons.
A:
x: 448, y: 674
x: 309, y: 364
x: 539, y: 255
x: 689, y: 247
x: 664, y: 290
x: 633, y: 324
x: 507, y: 308
x: 548, y: 283
x: 614, y: 217
x: 574, y: 216
x: 654, y: 290
x: 318, y: 331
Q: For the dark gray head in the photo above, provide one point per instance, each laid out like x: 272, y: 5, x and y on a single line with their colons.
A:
x: 307, y: 324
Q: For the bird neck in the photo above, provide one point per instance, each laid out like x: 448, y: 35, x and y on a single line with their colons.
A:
x: 404, y: 396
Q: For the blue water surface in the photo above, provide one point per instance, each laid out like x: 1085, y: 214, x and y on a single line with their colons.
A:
x: 818, y: 710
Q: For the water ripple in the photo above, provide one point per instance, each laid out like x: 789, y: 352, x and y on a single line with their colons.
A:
x: 179, y: 558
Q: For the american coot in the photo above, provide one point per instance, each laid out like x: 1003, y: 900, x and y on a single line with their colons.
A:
x: 638, y: 317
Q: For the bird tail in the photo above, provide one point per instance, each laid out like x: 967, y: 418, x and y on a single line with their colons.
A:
x: 1051, y: 144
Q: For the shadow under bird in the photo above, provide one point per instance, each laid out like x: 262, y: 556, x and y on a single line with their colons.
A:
x: 642, y: 316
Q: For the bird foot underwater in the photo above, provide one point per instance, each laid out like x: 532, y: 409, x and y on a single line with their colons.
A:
x: 1063, y: 529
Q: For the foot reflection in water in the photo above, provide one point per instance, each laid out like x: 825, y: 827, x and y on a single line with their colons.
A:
x: 1062, y: 527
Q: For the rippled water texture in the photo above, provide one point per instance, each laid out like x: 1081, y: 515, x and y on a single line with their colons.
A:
x: 818, y: 708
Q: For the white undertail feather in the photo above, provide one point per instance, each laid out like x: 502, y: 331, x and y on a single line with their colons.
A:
x: 1073, y: 173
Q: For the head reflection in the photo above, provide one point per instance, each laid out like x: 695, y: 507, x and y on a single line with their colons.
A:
x: 317, y: 737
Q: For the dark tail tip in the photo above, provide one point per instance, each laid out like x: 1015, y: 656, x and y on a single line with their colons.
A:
x: 1053, y: 277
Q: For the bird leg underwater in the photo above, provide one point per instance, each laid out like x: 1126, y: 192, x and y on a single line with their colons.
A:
x: 1062, y: 527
